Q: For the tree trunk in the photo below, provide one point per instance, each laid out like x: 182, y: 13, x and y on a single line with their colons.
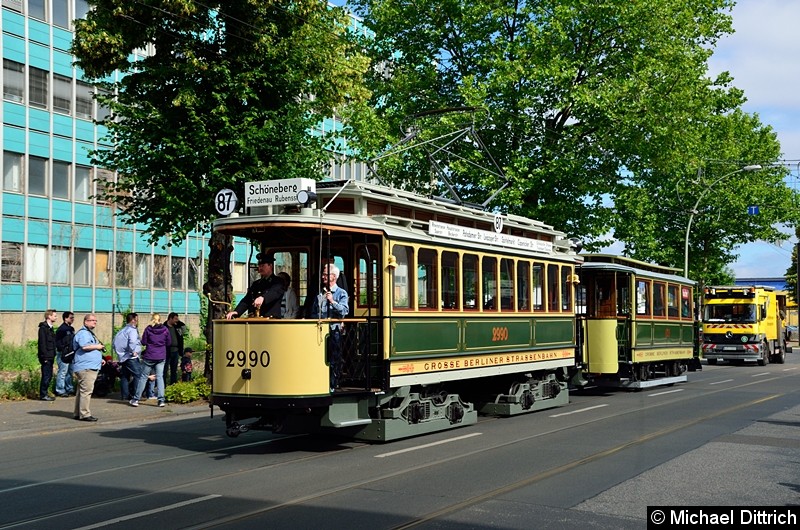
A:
x: 218, y: 288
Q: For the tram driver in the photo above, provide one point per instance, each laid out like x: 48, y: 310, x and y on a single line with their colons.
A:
x: 265, y: 294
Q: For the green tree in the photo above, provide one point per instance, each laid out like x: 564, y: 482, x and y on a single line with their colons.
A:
x: 591, y: 105
x: 227, y: 92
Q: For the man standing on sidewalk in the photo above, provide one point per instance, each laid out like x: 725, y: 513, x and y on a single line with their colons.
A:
x: 87, y: 363
x: 64, y: 336
x: 128, y: 348
x: 47, y: 352
x: 176, y: 330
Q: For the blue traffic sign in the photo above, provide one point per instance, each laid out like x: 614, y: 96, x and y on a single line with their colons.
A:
x: 752, y: 210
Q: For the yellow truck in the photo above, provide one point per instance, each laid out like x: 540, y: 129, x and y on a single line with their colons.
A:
x: 744, y: 323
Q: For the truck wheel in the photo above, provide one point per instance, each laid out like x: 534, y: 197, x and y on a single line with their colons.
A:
x: 780, y: 358
x: 764, y: 354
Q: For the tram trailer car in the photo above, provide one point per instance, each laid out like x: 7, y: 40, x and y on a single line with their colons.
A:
x: 453, y: 311
x: 744, y: 323
x: 638, y: 324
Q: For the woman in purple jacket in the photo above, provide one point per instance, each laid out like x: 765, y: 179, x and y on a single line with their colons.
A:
x: 156, y: 340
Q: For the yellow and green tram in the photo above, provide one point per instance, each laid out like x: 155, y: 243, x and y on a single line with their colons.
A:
x: 453, y: 311
x: 638, y: 323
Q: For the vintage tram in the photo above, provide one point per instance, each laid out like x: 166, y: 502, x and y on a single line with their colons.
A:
x: 638, y: 323
x: 453, y: 310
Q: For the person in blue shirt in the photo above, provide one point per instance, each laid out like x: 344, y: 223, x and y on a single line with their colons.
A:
x: 332, y: 303
x: 87, y: 364
x: 128, y: 347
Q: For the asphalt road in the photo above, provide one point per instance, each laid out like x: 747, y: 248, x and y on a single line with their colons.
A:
x: 728, y: 437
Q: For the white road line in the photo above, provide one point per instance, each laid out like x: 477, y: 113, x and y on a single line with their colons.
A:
x: 665, y: 392
x: 577, y: 411
x: 148, y: 512
x: 393, y: 453
x: 720, y: 382
x: 759, y: 375
x: 789, y: 369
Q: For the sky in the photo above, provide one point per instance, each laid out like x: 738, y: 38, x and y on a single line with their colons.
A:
x: 763, y: 56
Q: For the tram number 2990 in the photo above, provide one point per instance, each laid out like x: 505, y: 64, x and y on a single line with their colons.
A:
x: 242, y: 358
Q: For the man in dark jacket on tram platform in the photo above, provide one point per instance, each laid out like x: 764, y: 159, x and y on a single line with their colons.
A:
x: 265, y: 294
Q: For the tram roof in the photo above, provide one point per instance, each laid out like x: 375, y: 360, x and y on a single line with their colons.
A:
x: 641, y: 268
x: 397, y: 213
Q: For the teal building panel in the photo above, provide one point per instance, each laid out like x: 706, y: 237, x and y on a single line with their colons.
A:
x: 121, y: 298
x: 82, y: 302
x: 39, y: 120
x: 62, y: 126
x: 141, y: 301
x: 39, y: 55
x: 62, y: 212
x: 13, y: 47
x: 36, y: 298
x: 84, y: 132
x: 13, y: 23
x: 84, y: 236
x: 13, y: 230
x: 59, y: 298
x: 13, y: 114
x: 103, y: 217
x: 84, y: 213
x: 104, y: 239
x: 124, y: 240
x: 142, y: 245
x: 13, y: 204
x: 161, y: 299
x: 62, y: 147
x: 105, y: 298
x: 39, y: 144
x: 103, y: 137
x: 62, y: 63
x: 10, y: 296
x: 62, y: 234
x: 13, y: 139
x: 38, y: 233
x: 38, y: 208
x: 62, y: 40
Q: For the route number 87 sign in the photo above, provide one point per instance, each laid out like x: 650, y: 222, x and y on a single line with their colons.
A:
x: 226, y: 202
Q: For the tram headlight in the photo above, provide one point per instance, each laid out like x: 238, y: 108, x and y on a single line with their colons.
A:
x: 392, y: 262
x: 306, y: 198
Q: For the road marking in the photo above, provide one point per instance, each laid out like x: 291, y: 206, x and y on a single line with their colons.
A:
x: 401, y: 451
x: 577, y: 411
x: 759, y: 375
x: 789, y: 369
x: 666, y: 392
x: 720, y: 382
x: 148, y: 512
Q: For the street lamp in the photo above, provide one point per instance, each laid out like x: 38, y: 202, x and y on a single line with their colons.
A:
x: 754, y: 167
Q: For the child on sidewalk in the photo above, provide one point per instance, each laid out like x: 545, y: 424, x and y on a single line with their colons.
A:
x: 186, y: 365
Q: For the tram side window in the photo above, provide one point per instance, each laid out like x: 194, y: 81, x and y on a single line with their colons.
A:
x: 470, y: 281
x: 686, y: 302
x: 672, y: 300
x: 538, y: 287
x: 623, y: 298
x: 523, y: 286
x: 427, y: 279
x: 642, y: 297
x: 659, y: 302
x: 449, y: 280
x: 489, y: 283
x: 401, y: 288
x: 566, y: 291
x: 367, y: 280
x: 552, y: 288
x: 506, y: 284
x: 604, y: 302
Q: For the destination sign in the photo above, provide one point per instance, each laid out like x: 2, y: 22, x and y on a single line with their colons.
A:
x: 276, y: 192
x: 465, y: 233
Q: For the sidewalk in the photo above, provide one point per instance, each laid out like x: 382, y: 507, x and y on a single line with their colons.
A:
x: 34, y: 417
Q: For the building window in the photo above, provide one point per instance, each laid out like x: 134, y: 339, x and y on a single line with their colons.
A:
x: 62, y: 94
x: 81, y: 269
x: 83, y: 183
x: 37, y: 9
x: 194, y: 272
x: 12, y: 171
x: 37, y: 81
x: 103, y: 111
x: 61, y: 179
x: 160, y: 272
x: 141, y: 276
x: 83, y: 100
x: 61, y: 13
x: 35, y: 264
x: 13, y: 81
x: 104, y: 179
x: 11, y: 270
x: 59, y: 265
x: 102, y: 266
x: 177, y: 273
x: 37, y: 175
x: 81, y: 8
x: 123, y: 267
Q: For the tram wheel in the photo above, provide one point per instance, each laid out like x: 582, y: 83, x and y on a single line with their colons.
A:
x: 644, y: 372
